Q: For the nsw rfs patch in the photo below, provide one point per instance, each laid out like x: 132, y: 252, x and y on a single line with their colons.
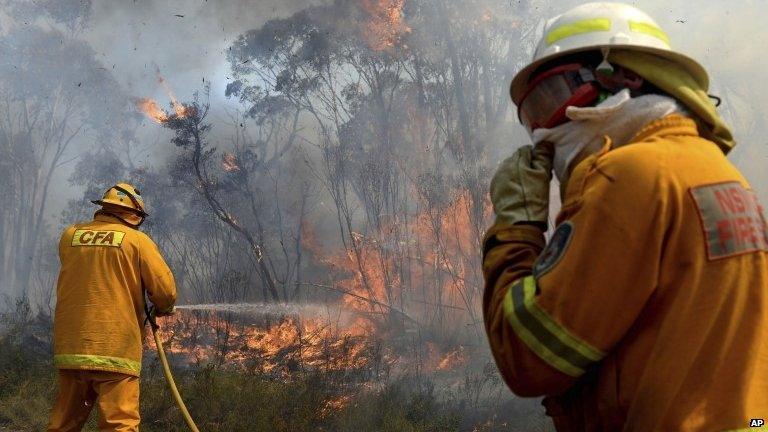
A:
x: 554, y: 250
x: 732, y: 219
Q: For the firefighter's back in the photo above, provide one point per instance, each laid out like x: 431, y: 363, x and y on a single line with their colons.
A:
x: 698, y: 358
x: 99, y: 297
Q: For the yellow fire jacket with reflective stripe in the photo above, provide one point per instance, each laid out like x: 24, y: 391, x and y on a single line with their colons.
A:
x: 648, y: 308
x: 105, y: 265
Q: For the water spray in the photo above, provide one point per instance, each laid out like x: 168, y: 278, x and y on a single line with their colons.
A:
x: 260, y: 308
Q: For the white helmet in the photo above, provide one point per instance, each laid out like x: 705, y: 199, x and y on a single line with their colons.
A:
x: 593, y: 26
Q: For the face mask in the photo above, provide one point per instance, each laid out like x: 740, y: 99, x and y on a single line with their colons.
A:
x: 619, y: 117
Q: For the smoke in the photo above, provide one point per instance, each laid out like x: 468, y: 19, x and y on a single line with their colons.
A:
x: 187, y: 41
x: 135, y: 38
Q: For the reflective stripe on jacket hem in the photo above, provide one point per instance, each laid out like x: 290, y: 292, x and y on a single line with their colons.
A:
x: 96, y: 362
x: 542, y: 334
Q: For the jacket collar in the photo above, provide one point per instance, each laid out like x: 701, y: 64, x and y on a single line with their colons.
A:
x: 670, y: 125
x: 103, y: 216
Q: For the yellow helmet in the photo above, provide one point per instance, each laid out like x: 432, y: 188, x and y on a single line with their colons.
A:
x: 123, y: 195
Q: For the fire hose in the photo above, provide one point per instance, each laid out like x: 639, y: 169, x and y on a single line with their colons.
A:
x: 151, y: 319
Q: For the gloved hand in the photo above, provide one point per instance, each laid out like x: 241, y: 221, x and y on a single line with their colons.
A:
x: 520, y: 187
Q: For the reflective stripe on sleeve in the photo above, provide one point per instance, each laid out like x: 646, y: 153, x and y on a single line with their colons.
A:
x: 577, y: 28
x: 542, y: 334
x: 96, y: 362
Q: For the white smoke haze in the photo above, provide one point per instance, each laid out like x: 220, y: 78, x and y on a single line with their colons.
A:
x: 133, y: 36
x: 133, y: 39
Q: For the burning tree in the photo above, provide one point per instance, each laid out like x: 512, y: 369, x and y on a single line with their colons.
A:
x: 194, y: 165
x: 405, y: 115
x: 394, y: 126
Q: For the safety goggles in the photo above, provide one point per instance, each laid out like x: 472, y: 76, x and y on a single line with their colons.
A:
x: 548, y: 95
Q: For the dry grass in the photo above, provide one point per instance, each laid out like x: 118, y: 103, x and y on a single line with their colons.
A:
x: 238, y: 400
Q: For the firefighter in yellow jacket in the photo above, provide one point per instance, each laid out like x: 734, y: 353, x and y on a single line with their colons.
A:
x: 647, y: 310
x: 106, y: 266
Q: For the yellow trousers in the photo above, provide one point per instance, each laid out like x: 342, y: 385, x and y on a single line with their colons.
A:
x: 116, y: 396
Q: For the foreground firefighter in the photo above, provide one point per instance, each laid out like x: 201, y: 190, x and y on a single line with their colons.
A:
x: 648, y: 308
x: 106, y: 265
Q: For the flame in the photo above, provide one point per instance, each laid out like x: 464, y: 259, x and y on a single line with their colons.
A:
x: 437, y: 242
x: 151, y: 108
x: 229, y: 162
x: 386, y: 25
x: 272, y: 347
x: 454, y: 359
x: 412, y: 269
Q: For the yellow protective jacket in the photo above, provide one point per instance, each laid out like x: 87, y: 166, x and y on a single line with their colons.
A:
x: 648, y: 308
x: 105, y: 266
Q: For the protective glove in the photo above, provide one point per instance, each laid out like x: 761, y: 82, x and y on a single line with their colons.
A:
x: 520, y: 187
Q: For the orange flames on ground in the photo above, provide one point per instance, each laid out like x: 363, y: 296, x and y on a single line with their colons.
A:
x: 414, y: 272
x: 454, y: 359
x: 386, y: 24
x: 152, y: 109
x: 379, y: 297
x: 290, y: 344
x: 280, y: 347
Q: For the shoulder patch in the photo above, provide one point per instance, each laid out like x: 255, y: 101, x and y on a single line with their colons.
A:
x: 554, y: 250
x: 84, y: 237
x: 732, y: 219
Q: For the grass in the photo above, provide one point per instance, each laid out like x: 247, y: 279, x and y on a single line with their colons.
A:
x: 229, y: 400
x: 222, y: 400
